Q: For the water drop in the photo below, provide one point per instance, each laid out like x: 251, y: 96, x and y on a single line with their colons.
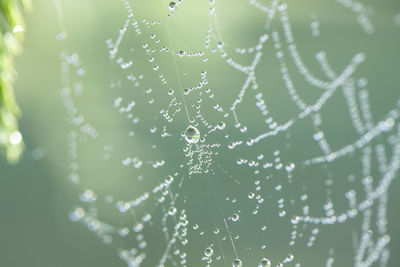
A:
x: 181, y: 53
x: 172, y: 211
x: 208, y: 252
x: 192, y: 135
x: 265, y: 263
x: 123, y: 231
x: 77, y: 214
x: 172, y: 6
x: 221, y: 125
x: 282, y: 6
x: 88, y: 196
x: 169, y: 179
x: 237, y: 263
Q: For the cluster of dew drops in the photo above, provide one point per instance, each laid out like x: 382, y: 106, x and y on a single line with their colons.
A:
x: 192, y: 136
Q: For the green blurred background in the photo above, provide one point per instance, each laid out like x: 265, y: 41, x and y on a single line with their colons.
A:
x: 35, y: 196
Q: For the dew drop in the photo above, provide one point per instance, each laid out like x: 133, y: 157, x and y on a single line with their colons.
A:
x: 209, y: 252
x: 181, y: 53
x: 221, y: 125
x: 264, y: 263
x: 192, y: 135
x: 77, y: 214
x: 172, y: 6
x: 169, y: 179
x: 172, y: 211
x: 88, y: 196
x: 282, y: 6
x: 237, y: 263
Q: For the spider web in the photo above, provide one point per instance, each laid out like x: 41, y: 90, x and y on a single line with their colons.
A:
x: 224, y: 134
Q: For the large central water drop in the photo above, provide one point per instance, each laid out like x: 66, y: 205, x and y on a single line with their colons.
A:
x: 192, y: 135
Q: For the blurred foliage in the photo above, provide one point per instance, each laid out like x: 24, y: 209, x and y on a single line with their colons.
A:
x: 11, y: 34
